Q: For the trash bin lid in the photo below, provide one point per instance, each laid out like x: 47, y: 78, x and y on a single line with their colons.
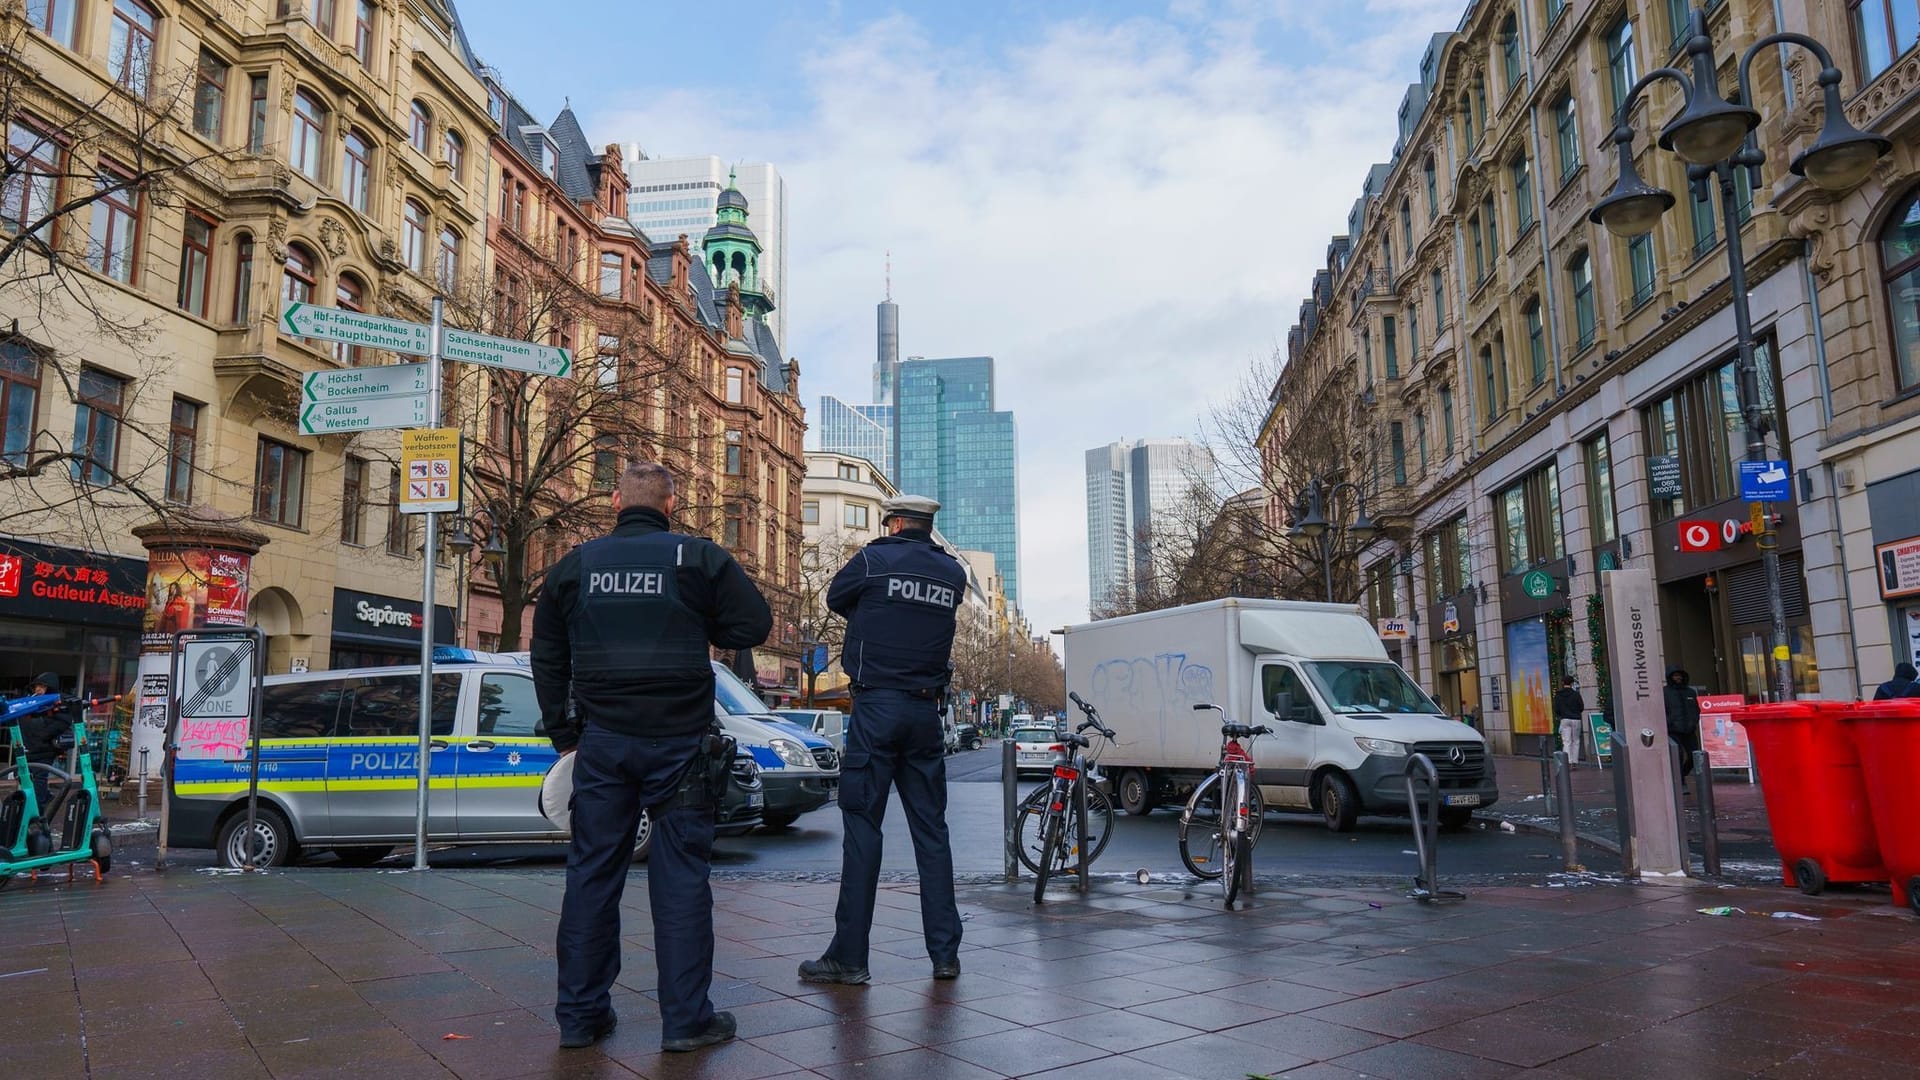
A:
x: 1889, y: 709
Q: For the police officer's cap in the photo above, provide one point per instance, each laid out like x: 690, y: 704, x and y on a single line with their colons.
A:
x: 911, y: 506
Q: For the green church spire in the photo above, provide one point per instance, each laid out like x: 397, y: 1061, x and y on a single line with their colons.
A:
x: 733, y: 251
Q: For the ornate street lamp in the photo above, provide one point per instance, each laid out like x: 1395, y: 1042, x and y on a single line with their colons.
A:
x: 1715, y: 136
x: 1310, y: 526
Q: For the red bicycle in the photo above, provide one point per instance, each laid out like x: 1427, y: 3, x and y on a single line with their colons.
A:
x: 1223, y: 815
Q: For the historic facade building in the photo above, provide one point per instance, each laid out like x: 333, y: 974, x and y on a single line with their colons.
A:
x: 1539, y: 400
x: 179, y: 171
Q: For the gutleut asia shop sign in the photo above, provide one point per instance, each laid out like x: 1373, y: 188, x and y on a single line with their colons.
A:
x: 40, y: 581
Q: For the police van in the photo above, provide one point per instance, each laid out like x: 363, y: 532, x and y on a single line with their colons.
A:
x: 339, y: 760
x: 799, y: 769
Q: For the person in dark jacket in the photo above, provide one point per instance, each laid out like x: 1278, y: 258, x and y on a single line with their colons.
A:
x: 623, y: 631
x: 40, y: 735
x: 900, y: 596
x: 1568, y: 708
x: 1683, y: 716
x: 1905, y: 683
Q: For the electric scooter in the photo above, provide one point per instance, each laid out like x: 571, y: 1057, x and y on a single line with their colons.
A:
x: 28, y: 843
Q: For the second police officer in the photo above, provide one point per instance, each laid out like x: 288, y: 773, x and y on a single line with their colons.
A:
x: 900, y: 595
x: 622, y: 630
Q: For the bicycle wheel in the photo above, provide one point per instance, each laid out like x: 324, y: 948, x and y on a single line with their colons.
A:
x: 1051, y: 845
x: 1239, y: 865
x: 1100, y: 819
x: 1028, y: 825
x: 1200, y: 830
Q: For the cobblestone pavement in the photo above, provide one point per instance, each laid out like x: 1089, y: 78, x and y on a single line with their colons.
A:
x: 211, y: 974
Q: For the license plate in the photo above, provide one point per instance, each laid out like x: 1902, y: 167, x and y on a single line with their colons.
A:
x: 1036, y: 757
x: 756, y: 799
x: 1462, y: 800
x: 1065, y: 773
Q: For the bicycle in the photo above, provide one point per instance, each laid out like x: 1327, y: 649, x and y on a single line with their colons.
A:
x: 1053, y: 814
x: 1230, y: 836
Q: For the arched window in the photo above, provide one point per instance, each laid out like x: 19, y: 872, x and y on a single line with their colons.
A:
x: 421, y: 133
x: 350, y: 294
x: 309, y: 131
x: 296, y: 284
x: 1900, y: 264
x: 413, y: 237
x: 449, y: 267
x: 356, y: 179
x: 456, y: 150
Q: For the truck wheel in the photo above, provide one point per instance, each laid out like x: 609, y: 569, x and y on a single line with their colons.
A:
x: 1136, y: 793
x: 643, y: 838
x: 1338, y: 802
x: 1455, y: 818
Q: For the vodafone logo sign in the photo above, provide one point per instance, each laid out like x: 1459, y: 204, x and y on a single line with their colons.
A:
x: 1700, y: 536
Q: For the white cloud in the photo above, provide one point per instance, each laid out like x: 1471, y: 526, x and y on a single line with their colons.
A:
x: 1124, y: 215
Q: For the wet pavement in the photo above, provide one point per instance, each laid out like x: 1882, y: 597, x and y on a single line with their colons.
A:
x: 319, y: 972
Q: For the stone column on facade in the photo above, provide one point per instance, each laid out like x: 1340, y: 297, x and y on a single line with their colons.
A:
x: 199, y: 564
x: 1425, y: 632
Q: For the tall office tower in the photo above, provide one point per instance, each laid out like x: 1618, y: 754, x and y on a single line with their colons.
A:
x: 887, y: 358
x: 863, y: 431
x: 1139, y: 509
x: 678, y: 195
x: 950, y: 443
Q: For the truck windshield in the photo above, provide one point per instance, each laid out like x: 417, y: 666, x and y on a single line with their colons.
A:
x: 1354, y: 686
x: 734, y: 696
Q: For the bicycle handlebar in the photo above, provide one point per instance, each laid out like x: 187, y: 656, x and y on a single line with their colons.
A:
x: 1092, y: 720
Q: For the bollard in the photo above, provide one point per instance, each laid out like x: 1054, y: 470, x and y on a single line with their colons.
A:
x: 1426, y: 831
x: 1080, y: 816
x: 143, y: 783
x: 1563, y: 790
x: 1709, y: 823
x: 1680, y: 805
x: 1010, y: 807
x: 1546, y: 776
x: 1623, y: 810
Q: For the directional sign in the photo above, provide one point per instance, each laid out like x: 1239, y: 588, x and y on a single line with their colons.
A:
x: 338, y: 417
x: 470, y: 348
x: 1764, y: 481
x: 356, y: 328
x: 430, y: 465
x: 354, y: 384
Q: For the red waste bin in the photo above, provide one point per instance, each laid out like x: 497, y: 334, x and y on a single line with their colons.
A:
x: 1815, y: 793
x: 1888, y: 735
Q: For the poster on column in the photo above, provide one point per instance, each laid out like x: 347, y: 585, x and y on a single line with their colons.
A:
x: 1527, y: 678
x: 1724, y: 741
x: 191, y: 588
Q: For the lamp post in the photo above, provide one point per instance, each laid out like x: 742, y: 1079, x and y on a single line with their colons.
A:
x: 461, y: 543
x: 1311, y: 529
x: 1715, y: 137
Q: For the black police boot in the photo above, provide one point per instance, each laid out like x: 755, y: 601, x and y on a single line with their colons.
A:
x: 582, y: 1037
x: 719, y: 1030
x: 946, y: 969
x: 828, y: 970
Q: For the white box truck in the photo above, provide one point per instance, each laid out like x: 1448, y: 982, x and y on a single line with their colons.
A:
x: 1345, y: 717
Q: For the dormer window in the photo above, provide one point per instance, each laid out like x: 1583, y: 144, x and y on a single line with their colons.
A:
x: 550, y: 157
x: 496, y: 103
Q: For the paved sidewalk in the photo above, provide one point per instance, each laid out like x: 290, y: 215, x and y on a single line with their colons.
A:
x: 215, y: 974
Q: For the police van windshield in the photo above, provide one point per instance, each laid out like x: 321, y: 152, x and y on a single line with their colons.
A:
x: 735, y: 696
x: 1355, y: 686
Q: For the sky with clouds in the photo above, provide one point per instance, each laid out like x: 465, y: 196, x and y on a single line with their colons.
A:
x: 1121, y: 201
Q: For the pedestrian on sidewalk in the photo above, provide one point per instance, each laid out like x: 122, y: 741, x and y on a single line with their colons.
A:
x: 900, y: 595
x: 623, y: 630
x: 1905, y: 683
x: 1568, y: 708
x: 1683, y: 716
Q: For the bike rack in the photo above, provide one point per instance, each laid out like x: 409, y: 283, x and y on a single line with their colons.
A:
x: 1426, y: 832
x: 1080, y: 814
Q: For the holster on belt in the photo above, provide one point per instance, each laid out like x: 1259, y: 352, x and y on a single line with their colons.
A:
x: 705, y: 780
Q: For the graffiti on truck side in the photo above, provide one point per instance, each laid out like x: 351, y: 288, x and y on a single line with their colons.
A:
x: 1165, y: 685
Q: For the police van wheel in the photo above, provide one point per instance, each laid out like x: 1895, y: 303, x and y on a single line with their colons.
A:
x: 643, y: 838
x: 273, y: 839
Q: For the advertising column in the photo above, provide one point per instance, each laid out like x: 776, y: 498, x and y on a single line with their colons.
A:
x: 199, y: 569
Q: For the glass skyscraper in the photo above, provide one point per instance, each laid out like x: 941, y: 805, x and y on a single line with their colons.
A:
x: 950, y: 443
x: 862, y: 431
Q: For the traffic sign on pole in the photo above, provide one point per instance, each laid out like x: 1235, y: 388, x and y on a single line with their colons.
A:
x: 355, y: 384
x: 471, y: 348
x: 430, y: 462
x: 1764, y: 481
x: 355, y: 328
x: 339, y: 417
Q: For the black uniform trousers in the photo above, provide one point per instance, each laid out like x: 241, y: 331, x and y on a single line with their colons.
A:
x: 614, y: 777
x: 894, y: 738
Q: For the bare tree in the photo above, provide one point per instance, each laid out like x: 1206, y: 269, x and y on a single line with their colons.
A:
x: 74, y: 177
x: 820, y: 559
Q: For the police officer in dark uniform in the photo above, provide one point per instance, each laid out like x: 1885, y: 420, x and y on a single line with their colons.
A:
x: 899, y: 595
x: 623, y: 628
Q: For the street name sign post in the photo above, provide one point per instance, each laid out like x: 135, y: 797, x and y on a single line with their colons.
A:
x: 339, y: 417
x: 470, y: 348
x: 359, y: 384
x: 355, y: 328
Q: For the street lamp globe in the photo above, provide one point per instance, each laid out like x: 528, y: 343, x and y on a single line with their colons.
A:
x: 461, y: 541
x: 495, y: 553
x: 1709, y: 130
x: 1363, y: 528
x: 1634, y: 206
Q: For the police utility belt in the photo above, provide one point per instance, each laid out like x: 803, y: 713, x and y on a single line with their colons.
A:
x: 706, y: 776
x: 927, y: 693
